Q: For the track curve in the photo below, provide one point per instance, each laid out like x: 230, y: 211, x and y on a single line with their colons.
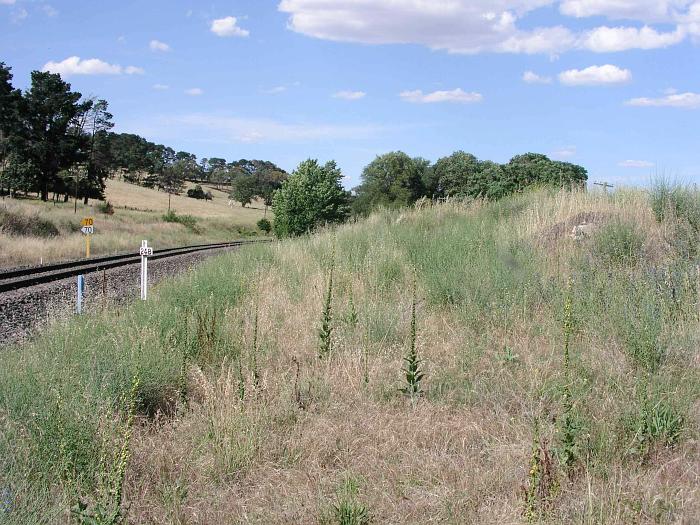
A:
x: 17, y: 278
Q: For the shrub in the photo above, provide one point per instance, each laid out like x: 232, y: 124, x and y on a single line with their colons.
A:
x: 16, y: 224
x: 618, y: 244
x: 106, y: 208
x: 197, y: 192
x: 265, y: 225
x: 187, y: 221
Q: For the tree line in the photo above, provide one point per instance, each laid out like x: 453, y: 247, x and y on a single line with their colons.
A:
x: 313, y: 195
x: 55, y: 141
x: 395, y: 179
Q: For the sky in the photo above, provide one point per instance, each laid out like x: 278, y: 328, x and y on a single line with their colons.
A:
x: 612, y: 85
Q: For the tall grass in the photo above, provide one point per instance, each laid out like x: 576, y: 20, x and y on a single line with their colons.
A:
x: 487, y: 282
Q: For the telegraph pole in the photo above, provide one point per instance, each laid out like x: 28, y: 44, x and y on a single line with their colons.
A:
x: 605, y: 185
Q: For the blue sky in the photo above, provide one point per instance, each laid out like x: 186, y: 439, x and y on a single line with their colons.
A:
x: 613, y: 86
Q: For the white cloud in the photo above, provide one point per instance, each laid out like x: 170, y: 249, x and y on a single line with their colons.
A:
x: 608, y: 39
x: 17, y: 15
x: 194, y: 92
x: 595, y: 76
x: 349, y: 95
x: 161, y: 87
x: 275, y: 90
x: 7, y: 2
x: 228, y: 26
x: 635, y: 164
x: 550, y: 40
x: 455, y: 95
x: 646, y: 10
x: 49, y: 10
x: 458, y: 26
x: 530, y: 77
x: 90, y: 66
x: 256, y: 130
x: 686, y: 100
x: 564, y: 152
x: 157, y: 45
x: 474, y: 26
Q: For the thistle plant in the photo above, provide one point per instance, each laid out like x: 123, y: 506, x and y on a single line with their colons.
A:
x: 352, y: 316
x: 541, y: 485
x: 568, y: 429
x: 186, y: 352
x: 254, y: 346
x: 326, y: 331
x: 108, y: 510
x: 241, y: 378
x: 412, y: 370
x: 365, y: 364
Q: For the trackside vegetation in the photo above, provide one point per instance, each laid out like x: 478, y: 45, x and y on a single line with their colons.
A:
x: 466, y: 362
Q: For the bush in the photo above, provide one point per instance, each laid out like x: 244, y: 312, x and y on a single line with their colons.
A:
x: 311, y: 197
x: 618, y: 244
x: 197, y: 193
x: 265, y: 225
x: 187, y: 221
x: 16, y: 224
x: 106, y: 208
x: 680, y: 206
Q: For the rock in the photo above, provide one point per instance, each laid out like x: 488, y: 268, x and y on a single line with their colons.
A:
x: 582, y: 231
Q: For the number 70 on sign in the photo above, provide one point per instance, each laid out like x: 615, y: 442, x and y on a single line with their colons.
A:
x: 88, y: 228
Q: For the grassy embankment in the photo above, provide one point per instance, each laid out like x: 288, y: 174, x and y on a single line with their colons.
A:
x: 562, y: 378
x: 31, y: 230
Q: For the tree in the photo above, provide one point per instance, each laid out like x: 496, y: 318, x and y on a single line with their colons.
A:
x: 244, y: 189
x: 172, y: 180
x: 535, y: 168
x: 216, y: 170
x: 189, y: 164
x: 51, y: 117
x: 269, y: 181
x: 393, y: 180
x: 312, y: 196
x: 98, y: 122
x: 10, y: 129
x: 129, y: 154
x: 459, y: 175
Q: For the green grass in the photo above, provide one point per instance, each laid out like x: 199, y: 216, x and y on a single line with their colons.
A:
x: 493, y: 319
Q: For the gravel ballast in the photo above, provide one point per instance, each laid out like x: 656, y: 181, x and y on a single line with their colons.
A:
x: 24, y: 312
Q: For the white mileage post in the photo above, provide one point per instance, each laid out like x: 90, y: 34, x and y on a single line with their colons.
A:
x: 146, y: 251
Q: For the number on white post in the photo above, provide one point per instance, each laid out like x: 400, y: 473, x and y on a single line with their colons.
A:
x: 145, y: 252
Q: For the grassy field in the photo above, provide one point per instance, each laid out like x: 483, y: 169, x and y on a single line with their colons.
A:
x: 50, y: 233
x: 561, y: 378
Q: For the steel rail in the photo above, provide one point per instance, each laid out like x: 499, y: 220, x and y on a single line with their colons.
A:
x: 25, y: 277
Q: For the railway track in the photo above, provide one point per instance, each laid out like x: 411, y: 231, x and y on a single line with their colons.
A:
x: 25, y: 277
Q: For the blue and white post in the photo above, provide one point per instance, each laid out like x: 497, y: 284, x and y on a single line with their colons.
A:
x: 81, y: 291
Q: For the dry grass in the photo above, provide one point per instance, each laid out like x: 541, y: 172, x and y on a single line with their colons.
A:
x: 461, y: 453
x: 458, y: 456
x: 138, y: 215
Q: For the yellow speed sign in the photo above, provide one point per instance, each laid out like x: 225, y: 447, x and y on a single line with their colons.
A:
x: 87, y: 221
